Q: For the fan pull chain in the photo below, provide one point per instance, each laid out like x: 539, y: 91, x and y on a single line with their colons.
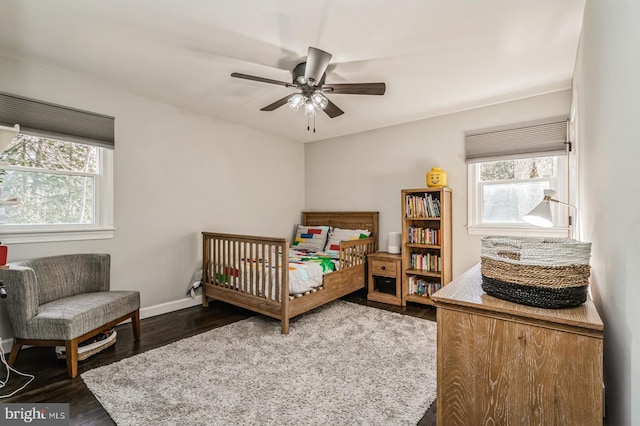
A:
x: 309, y: 124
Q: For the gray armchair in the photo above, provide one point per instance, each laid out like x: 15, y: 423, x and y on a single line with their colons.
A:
x: 64, y: 300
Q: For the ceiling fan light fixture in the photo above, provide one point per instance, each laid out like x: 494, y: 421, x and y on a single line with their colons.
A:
x: 319, y: 101
x: 310, y: 109
x: 296, y: 101
x: 309, y: 78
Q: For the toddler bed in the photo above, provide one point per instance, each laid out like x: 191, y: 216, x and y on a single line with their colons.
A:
x: 270, y: 277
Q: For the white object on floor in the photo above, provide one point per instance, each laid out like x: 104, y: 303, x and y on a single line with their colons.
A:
x: 62, y: 353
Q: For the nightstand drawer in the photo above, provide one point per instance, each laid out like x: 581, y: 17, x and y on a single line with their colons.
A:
x: 383, y: 267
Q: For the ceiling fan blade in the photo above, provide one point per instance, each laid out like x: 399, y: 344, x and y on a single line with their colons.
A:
x: 332, y: 110
x: 277, y: 104
x: 261, y: 79
x: 355, y: 88
x: 317, y: 61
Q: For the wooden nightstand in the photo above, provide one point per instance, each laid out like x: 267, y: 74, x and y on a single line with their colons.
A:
x: 385, y: 278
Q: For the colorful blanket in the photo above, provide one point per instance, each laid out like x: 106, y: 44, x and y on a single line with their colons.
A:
x: 306, y: 269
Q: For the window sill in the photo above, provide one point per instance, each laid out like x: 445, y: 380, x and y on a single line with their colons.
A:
x: 515, y: 231
x: 46, y: 236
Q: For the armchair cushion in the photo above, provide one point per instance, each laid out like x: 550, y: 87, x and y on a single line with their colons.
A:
x: 74, y: 316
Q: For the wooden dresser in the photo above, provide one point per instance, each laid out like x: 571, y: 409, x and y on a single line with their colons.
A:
x: 502, y: 363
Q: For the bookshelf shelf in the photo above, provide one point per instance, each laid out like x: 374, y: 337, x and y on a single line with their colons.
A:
x: 423, y: 273
x: 425, y: 300
x: 426, y: 243
x: 431, y: 246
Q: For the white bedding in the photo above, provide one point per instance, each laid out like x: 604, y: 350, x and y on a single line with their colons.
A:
x: 306, y: 270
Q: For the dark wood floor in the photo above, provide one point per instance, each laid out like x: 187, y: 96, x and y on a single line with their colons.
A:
x: 52, y: 385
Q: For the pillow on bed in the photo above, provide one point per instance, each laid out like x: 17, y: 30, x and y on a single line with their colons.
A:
x: 311, y: 238
x: 338, y: 234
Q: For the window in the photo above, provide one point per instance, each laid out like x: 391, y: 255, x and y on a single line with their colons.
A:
x: 63, y: 188
x: 508, y: 170
x: 56, y: 175
x: 502, y: 192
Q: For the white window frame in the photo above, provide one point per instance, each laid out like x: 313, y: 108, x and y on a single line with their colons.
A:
x: 102, y: 228
x: 475, y: 202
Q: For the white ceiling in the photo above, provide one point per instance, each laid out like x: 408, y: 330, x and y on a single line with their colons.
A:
x: 435, y: 56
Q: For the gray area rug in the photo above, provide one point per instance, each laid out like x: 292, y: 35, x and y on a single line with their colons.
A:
x: 341, y: 364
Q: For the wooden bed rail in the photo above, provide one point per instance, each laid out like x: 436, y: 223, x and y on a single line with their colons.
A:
x: 354, y: 252
x: 253, y: 272
x: 255, y: 266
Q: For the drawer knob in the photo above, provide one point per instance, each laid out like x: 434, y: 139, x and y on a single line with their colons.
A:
x: 383, y: 267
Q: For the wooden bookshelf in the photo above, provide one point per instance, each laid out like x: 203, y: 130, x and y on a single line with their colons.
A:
x: 426, y: 243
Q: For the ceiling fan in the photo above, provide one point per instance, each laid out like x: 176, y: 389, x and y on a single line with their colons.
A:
x: 309, y: 78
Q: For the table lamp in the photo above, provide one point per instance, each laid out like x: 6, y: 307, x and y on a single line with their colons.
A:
x: 540, y: 215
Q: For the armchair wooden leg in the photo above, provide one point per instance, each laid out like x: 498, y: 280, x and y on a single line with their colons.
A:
x: 15, y: 350
x: 71, y: 348
x: 135, y: 322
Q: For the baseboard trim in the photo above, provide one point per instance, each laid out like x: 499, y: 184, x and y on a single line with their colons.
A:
x: 164, y: 308
x: 148, y: 312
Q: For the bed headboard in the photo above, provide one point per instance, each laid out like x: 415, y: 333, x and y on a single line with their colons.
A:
x: 347, y: 220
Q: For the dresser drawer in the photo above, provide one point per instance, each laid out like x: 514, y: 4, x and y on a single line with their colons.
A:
x: 383, y: 267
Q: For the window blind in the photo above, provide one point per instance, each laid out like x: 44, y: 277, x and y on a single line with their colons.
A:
x: 544, y: 137
x: 43, y: 119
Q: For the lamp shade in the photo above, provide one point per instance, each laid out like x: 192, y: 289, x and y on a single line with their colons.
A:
x: 296, y: 101
x: 309, y: 109
x: 540, y: 215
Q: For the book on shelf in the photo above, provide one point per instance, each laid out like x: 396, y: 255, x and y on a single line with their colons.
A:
x: 422, y: 206
x: 425, y: 262
x: 418, y: 235
x: 422, y: 287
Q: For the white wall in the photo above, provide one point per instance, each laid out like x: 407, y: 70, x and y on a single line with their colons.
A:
x: 177, y: 173
x: 366, y: 171
x: 607, y: 83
